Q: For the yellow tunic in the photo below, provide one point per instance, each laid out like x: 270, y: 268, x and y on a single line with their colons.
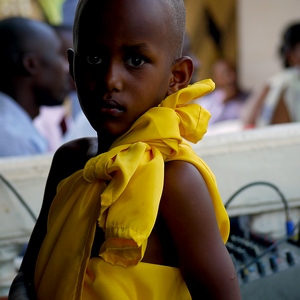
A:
x: 141, y: 282
x: 121, y: 189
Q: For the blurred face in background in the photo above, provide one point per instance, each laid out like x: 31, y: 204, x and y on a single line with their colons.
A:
x: 223, y: 74
x: 294, y: 55
x: 52, y: 80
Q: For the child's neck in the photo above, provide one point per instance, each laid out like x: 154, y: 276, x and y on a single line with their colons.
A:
x: 104, y: 142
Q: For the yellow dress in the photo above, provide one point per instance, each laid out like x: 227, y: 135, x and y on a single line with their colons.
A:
x: 141, y: 282
x: 121, y: 189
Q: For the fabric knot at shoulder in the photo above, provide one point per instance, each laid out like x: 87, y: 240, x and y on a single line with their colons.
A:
x: 134, y: 169
x: 193, y: 118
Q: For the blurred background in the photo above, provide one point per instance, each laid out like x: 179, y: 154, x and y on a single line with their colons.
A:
x: 245, y: 32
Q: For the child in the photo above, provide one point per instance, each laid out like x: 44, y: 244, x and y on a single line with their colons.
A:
x: 132, y: 217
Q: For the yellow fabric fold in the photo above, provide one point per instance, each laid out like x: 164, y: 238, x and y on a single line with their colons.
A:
x: 122, y: 189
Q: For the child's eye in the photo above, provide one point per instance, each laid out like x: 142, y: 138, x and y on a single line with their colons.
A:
x: 135, y: 61
x: 94, y: 59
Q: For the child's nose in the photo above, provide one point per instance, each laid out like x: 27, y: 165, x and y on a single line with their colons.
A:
x: 113, y: 76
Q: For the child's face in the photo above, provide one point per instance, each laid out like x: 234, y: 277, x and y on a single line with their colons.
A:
x: 122, y: 65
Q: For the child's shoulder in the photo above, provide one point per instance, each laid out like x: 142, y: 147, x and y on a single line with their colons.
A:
x: 82, y: 149
x: 185, y: 185
x: 72, y: 156
x: 181, y: 175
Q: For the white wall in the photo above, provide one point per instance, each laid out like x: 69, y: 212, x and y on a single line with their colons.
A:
x: 260, y: 25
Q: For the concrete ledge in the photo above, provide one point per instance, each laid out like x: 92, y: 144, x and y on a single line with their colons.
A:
x: 28, y: 176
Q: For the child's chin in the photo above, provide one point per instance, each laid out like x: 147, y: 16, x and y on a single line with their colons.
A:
x: 113, y: 130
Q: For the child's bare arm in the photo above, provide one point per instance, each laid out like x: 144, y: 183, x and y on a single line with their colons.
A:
x: 253, y: 107
x: 188, y: 211
x: 68, y: 159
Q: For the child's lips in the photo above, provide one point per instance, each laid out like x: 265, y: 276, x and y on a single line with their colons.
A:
x: 111, y: 107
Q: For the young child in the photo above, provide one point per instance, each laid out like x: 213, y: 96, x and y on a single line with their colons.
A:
x: 135, y: 213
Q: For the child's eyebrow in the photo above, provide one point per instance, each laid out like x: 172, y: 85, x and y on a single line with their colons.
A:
x: 143, y: 47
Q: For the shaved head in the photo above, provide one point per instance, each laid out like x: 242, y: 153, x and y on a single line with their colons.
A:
x: 174, y: 22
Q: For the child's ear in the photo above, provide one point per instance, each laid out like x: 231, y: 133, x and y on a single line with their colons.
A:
x: 70, y: 60
x: 182, y: 72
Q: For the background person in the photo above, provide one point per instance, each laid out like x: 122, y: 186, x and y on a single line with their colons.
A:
x: 33, y: 73
x: 227, y: 100
x: 54, y: 122
x: 279, y: 99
